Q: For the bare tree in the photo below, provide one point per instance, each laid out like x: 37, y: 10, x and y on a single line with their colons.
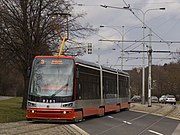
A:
x: 165, y: 80
x: 28, y: 29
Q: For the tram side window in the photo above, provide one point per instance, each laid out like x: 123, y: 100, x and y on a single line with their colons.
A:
x: 110, y: 83
x: 123, y: 86
x: 89, y: 84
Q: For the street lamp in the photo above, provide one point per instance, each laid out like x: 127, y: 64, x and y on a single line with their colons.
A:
x: 143, y: 63
x: 122, y: 35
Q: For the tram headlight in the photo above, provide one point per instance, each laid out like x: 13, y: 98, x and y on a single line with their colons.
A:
x: 30, y: 104
x: 64, y: 112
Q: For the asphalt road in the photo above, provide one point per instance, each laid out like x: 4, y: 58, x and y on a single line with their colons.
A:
x: 130, y: 123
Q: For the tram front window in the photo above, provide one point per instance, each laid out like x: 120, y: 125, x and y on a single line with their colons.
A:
x: 52, y: 79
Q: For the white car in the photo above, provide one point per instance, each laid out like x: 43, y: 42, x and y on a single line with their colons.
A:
x: 154, y: 99
x: 162, y: 99
x: 170, y: 99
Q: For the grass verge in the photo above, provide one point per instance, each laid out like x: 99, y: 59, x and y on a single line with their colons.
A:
x: 10, y: 110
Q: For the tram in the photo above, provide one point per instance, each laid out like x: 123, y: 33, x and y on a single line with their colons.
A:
x: 66, y: 88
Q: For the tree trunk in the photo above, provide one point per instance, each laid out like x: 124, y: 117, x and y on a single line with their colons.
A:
x: 25, y: 94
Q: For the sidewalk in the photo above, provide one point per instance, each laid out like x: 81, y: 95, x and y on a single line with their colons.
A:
x: 158, y: 109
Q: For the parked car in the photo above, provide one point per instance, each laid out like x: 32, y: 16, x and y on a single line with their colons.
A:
x: 170, y: 99
x: 154, y: 99
x: 162, y: 99
x: 136, y: 99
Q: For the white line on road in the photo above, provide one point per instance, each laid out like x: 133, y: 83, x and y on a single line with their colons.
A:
x: 129, y: 123
x: 110, y: 117
x: 157, y: 133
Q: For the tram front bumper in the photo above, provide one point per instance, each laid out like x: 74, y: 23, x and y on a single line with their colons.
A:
x: 54, y: 114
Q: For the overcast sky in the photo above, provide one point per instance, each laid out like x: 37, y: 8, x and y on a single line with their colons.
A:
x: 164, y: 24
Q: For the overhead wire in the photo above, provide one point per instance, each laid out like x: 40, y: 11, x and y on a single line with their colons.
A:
x: 163, y: 58
x: 131, y: 10
x: 128, y: 5
x: 170, y: 29
x: 135, y: 43
x: 148, y: 27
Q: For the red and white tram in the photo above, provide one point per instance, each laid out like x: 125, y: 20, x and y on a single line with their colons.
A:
x: 65, y: 88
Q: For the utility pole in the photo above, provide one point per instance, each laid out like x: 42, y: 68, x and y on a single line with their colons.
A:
x: 149, y: 72
x: 122, y: 52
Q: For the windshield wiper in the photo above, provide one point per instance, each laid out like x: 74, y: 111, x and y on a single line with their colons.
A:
x: 58, y: 91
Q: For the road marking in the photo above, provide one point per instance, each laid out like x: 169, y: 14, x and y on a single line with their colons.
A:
x: 110, y: 117
x: 129, y: 123
x: 157, y: 133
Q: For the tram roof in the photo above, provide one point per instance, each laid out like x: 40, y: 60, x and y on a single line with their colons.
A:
x: 91, y: 64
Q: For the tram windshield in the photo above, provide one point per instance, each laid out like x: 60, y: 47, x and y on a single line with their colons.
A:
x: 51, y: 78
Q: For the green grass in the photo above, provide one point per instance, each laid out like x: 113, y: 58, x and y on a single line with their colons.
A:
x: 10, y: 110
x: 178, y: 102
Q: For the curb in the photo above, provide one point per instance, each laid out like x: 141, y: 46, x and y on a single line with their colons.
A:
x: 137, y: 107
x: 78, y: 131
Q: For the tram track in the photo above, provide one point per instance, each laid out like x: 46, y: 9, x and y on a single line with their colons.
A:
x: 145, y: 109
x: 154, y: 112
x: 157, y: 121
x: 160, y: 110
